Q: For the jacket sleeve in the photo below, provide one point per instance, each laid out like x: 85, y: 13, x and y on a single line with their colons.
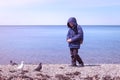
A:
x: 68, y: 35
x: 79, y: 35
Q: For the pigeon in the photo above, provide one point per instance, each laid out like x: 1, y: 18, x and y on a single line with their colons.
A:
x: 20, y: 67
x: 13, y: 63
x: 39, y: 67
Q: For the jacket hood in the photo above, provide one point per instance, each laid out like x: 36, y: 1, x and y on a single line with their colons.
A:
x: 72, y: 20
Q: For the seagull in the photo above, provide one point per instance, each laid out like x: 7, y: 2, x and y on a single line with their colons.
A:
x: 20, y: 67
x: 39, y: 67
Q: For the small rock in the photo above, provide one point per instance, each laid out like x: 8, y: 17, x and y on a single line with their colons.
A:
x: 62, y: 77
x: 61, y: 67
x: 116, y: 78
x: 76, y: 73
x: 107, y: 77
x: 12, y: 71
x: 88, y: 78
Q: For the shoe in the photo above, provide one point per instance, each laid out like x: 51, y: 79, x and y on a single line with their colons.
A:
x: 73, y: 65
x: 81, y: 65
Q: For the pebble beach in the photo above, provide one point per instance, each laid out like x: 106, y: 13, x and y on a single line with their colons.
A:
x: 61, y: 72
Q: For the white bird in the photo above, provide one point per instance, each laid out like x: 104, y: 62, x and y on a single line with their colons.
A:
x: 20, y: 67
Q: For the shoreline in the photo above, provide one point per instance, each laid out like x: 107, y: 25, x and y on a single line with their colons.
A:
x: 61, y: 72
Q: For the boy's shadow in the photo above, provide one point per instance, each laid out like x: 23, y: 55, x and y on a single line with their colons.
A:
x: 91, y: 65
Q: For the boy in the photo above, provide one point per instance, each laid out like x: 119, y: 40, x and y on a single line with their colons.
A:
x: 74, y: 39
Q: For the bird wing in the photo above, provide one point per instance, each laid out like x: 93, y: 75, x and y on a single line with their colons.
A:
x: 20, y: 66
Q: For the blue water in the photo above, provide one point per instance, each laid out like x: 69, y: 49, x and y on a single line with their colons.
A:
x: 47, y: 44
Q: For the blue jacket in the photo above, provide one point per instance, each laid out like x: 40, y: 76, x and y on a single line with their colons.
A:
x: 75, y: 33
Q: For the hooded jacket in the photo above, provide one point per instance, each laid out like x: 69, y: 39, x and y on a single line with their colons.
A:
x: 74, y: 33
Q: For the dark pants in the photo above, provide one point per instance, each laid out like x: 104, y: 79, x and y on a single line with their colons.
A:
x: 75, y: 56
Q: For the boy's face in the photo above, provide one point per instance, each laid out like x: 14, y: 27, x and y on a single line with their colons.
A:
x: 71, y: 24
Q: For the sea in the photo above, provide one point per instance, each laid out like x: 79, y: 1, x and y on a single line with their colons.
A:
x: 47, y: 44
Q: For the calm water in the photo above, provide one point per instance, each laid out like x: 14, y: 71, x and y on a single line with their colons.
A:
x: 47, y: 44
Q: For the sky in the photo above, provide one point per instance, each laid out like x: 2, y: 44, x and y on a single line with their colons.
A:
x: 57, y: 12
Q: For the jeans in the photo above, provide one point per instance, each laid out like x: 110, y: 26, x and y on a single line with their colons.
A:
x: 75, y: 56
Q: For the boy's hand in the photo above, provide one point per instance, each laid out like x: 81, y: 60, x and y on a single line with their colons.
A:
x: 69, y: 40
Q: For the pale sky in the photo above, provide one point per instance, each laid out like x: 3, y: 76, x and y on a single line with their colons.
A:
x: 57, y: 12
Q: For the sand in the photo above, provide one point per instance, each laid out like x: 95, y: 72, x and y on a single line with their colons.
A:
x: 61, y: 72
